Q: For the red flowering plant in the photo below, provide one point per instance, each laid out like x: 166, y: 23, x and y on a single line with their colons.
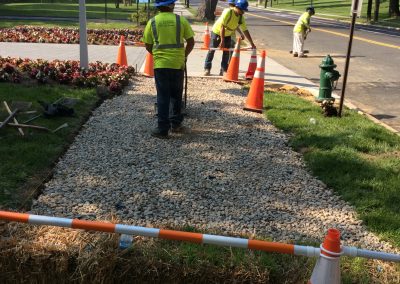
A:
x: 8, y: 73
x: 112, y: 76
x: 68, y: 35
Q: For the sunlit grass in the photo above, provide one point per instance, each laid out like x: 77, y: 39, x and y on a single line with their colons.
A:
x: 357, y: 158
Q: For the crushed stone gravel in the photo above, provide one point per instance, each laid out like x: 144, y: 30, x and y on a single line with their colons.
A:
x: 231, y: 171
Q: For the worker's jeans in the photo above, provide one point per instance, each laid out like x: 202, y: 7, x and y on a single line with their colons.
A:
x: 169, y: 85
x: 215, y: 41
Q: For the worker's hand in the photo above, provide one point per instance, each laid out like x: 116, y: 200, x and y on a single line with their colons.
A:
x: 242, y: 37
x: 253, y: 46
x: 222, y: 44
x: 309, y: 30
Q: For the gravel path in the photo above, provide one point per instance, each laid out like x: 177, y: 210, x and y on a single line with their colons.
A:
x: 233, y: 172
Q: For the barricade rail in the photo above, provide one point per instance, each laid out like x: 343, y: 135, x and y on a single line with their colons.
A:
x: 141, y: 44
x: 198, y: 238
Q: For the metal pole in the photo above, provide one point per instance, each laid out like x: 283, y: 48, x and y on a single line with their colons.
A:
x: 148, y: 10
x: 137, y: 13
x: 83, y: 48
x: 105, y: 11
x: 346, y: 68
x: 186, y: 82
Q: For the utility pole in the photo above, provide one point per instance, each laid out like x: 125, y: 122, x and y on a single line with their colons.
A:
x: 83, y: 48
x: 346, y: 68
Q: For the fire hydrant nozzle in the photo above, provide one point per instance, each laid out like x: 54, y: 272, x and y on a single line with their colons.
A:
x: 327, y: 77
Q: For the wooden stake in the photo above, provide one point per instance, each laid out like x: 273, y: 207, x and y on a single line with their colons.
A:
x: 15, y: 120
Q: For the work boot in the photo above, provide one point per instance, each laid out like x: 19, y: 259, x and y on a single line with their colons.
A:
x: 222, y: 72
x: 302, y: 56
x: 206, y: 72
x: 295, y: 54
x: 159, y: 133
x: 180, y: 129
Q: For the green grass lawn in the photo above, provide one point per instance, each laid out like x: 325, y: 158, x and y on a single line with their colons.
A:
x: 26, y: 161
x: 66, y: 9
x: 51, y: 24
x: 357, y: 158
x: 337, y: 8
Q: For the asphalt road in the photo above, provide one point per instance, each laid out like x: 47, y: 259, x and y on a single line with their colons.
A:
x: 373, y: 83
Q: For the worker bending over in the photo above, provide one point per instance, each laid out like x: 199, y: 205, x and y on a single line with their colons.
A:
x: 222, y: 30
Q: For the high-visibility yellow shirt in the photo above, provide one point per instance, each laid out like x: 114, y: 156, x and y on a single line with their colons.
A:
x: 303, y: 23
x: 230, y: 21
x: 171, y: 51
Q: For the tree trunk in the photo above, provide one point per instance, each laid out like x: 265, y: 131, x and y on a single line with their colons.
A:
x: 376, y: 14
x: 209, y: 10
x: 394, y: 8
x: 369, y: 10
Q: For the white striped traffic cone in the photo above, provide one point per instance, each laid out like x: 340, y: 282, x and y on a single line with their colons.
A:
x: 232, y: 75
x: 254, y: 101
x: 206, y: 38
x: 327, y: 269
x: 252, y: 65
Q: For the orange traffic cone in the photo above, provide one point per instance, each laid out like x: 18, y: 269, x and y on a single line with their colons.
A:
x: 252, y: 65
x: 149, y: 66
x: 206, y: 38
x: 232, y: 75
x: 327, y: 269
x: 254, y: 101
x: 121, y: 56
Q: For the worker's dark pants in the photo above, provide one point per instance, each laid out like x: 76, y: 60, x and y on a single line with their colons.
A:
x: 169, y: 85
x: 215, y: 41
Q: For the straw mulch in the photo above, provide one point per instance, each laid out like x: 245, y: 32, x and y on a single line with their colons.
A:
x: 50, y: 254
x: 43, y: 254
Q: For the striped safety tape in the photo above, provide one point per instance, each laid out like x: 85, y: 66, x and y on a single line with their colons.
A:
x: 187, y: 236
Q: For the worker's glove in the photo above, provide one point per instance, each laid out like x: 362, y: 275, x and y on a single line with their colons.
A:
x: 242, y: 37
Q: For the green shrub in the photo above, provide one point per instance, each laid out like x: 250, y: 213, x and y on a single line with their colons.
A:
x: 143, y: 15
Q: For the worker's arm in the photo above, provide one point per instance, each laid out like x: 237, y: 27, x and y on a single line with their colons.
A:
x: 222, y: 35
x: 189, y: 46
x: 149, y: 48
x: 242, y: 37
x: 248, y: 36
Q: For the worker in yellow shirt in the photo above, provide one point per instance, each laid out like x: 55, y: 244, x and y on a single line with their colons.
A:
x: 222, y: 30
x: 164, y: 38
x: 231, y: 4
x: 300, y: 31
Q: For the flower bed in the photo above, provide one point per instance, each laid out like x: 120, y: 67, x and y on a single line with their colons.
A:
x: 112, y: 76
x: 68, y: 35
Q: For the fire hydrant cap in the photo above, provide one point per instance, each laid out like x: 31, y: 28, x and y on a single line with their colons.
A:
x: 327, y: 62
